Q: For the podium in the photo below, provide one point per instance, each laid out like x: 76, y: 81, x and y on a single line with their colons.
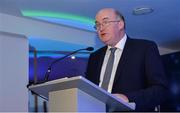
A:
x: 78, y: 94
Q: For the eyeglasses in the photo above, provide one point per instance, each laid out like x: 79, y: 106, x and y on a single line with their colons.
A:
x: 104, y: 24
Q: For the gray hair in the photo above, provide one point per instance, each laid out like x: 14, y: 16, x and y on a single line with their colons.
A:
x: 120, y: 16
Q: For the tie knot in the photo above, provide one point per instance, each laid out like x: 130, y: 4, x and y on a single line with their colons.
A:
x: 113, y: 49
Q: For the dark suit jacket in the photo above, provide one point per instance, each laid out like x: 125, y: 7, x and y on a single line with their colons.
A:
x: 140, y: 74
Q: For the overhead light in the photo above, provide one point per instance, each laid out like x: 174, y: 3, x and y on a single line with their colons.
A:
x: 73, y: 57
x: 142, y: 11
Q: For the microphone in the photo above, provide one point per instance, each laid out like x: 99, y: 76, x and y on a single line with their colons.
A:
x: 90, y: 49
x: 50, y: 66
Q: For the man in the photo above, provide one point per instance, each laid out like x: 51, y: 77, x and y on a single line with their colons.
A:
x: 136, y: 74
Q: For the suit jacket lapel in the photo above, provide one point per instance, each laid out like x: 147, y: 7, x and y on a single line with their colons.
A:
x: 101, y: 59
x: 124, y: 58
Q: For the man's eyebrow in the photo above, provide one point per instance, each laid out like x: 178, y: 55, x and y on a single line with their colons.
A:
x: 105, y: 18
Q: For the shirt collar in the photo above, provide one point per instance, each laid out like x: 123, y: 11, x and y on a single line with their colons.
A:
x: 120, y: 45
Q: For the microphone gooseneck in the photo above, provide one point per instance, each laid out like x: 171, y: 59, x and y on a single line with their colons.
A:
x: 50, y: 66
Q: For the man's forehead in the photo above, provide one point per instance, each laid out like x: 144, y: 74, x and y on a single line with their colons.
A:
x: 103, y: 19
x: 105, y: 14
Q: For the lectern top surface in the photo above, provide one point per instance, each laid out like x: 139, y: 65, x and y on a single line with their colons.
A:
x: 83, y: 84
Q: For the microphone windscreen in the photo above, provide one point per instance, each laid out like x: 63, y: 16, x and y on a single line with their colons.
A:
x: 90, y: 49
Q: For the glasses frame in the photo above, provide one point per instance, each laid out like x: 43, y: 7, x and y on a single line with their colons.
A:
x: 104, y: 24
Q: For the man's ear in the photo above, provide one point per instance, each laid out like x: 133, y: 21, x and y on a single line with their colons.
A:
x: 121, y: 25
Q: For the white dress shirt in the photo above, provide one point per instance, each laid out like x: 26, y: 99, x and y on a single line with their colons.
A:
x: 118, y: 52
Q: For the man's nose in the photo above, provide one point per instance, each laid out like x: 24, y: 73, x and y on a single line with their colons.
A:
x: 101, y: 28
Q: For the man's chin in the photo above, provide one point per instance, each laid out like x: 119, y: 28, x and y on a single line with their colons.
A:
x: 106, y: 42
x: 109, y: 44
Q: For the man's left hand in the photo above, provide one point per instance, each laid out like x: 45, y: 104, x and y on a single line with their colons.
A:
x: 122, y: 96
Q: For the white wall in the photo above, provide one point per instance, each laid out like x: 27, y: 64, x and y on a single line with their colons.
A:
x: 13, y: 72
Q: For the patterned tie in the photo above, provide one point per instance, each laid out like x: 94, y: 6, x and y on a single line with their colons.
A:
x: 108, y: 71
